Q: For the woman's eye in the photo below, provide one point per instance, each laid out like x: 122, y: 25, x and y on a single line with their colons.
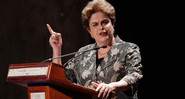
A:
x: 94, y: 25
x: 106, y: 21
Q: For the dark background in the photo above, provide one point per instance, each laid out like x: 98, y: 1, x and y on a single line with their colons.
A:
x: 24, y: 37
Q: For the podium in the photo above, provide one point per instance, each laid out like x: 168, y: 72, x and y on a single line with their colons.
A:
x: 47, y: 80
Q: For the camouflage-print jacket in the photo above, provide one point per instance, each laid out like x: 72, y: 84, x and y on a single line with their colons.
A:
x: 123, y: 62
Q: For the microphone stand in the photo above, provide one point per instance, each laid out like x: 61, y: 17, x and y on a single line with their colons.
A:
x: 96, y: 48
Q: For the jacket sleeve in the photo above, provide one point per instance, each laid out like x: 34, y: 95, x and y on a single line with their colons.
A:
x: 133, y: 64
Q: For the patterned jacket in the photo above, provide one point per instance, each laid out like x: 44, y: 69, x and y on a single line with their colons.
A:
x: 123, y: 62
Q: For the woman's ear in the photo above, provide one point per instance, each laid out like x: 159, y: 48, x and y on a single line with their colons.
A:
x: 88, y: 29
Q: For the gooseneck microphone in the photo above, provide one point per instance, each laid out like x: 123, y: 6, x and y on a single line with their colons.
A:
x: 96, y: 48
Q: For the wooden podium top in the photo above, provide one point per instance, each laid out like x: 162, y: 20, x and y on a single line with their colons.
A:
x: 26, y: 74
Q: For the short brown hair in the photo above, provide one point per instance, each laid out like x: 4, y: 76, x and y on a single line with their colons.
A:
x: 97, y: 6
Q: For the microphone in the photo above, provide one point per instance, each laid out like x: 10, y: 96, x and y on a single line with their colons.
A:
x: 96, y: 48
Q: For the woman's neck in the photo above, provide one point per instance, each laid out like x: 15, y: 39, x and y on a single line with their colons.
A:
x: 102, y: 52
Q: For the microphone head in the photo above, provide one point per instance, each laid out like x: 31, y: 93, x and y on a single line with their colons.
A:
x: 103, y: 46
x: 97, y: 48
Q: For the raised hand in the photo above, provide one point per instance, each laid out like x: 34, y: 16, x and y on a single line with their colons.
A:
x: 55, y: 38
x: 55, y: 41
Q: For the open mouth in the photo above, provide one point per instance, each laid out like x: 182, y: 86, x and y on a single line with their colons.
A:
x: 103, y: 33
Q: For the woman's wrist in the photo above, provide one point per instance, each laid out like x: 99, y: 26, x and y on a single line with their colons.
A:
x: 56, y: 53
x: 119, y: 86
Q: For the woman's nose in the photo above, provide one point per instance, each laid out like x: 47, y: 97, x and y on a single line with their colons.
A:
x: 101, y: 27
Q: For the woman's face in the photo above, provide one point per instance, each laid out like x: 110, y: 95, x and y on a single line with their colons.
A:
x: 101, y: 28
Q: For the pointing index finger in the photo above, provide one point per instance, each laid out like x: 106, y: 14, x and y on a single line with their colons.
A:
x: 50, y: 29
